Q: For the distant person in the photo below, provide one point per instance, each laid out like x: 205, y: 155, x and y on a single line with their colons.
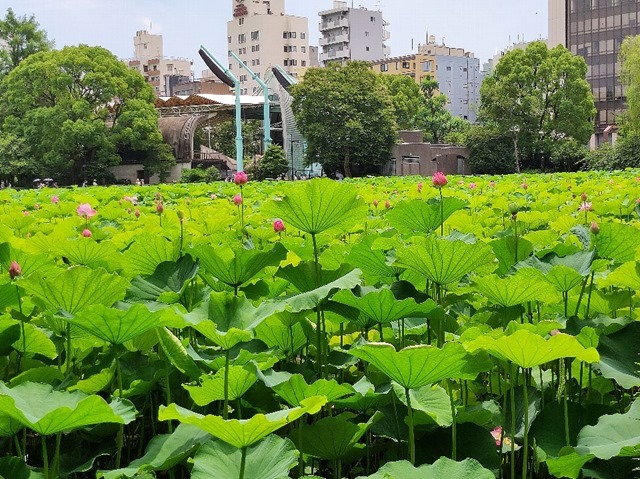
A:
x: 339, y: 176
x: 95, y: 183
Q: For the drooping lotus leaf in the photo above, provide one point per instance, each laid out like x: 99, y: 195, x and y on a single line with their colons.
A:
x: 295, y: 389
x: 432, y: 400
x: 513, y: 290
x: 228, y: 320
x: 417, y: 366
x: 626, y: 276
x: 166, y: 284
x: 86, y: 251
x: 303, y: 276
x: 617, y: 241
x: 271, y: 458
x: 116, y: 326
x: 443, y: 261
x: 382, y: 306
x: 177, y: 354
x: 418, y: 216
x: 619, y: 353
x: 319, y: 205
x: 365, y: 397
x: 96, y: 382
x: 8, y: 296
x: 332, y: 438
x: 569, y: 465
x: 15, y: 468
x: 211, y: 388
x: 76, y: 288
x: 245, y: 432
x: 280, y: 332
x: 527, y: 349
x: 146, y: 253
x: 163, y: 452
x: 614, y: 435
x: 40, y: 408
x: 9, y: 333
x: 311, y: 299
x: 37, y: 341
x: 236, y: 267
x: 563, y: 278
x: 505, y: 251
x: 441, y: 469
x: 373, y: 263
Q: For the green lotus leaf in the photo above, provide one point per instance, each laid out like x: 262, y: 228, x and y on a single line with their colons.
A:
x: 333, y: 438
x: 163, y: 452
x: 37, y: 341
x: 365, y: 396
x: 166, y: 284
x: 303, y: 276
x: 625, y: 276
x: 319, y: 205
x: 295, y: 389
x: 245, y: 432
x: 441, y: 469
x: 619, y: 353
x: 9, y: 426
x: 432, y: 400
x: 373, y: 263
x: 40, y: 408
x: 569, y: 465
x: 418, y: 216
x: 15, y: 468
x: 8, y: 296
x: 236, y: 267
x: 443, y: 261
x: 563, y: 278
x: 116, y: 326
x: 96, y: 382
x: 211, y: 388
x: 613, y: 435
x: 86, y: 252
x: 45, y: 374
x: 617, y: 241
x: 382, y: 306
x: 527, y: 349
x: 146, y: 253
x: 271, y: 458
x: 276, y: 332
x: 31, y: 263
x: 505, y: 251
x: 417, y: 366
x: 177, y: 354
x: 311, y: 299
x: 76, y: 288
x: 9, y: 333
x: 513, y: 290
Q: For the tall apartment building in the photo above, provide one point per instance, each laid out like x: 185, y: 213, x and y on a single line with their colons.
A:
x: 160, y: 71
x: 595, y: 29
x: 456, y: 71
x: 263, y: 36
x: 352, y: 34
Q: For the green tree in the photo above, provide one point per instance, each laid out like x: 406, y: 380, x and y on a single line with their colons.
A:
x: 79, y: 111
x: 346, y: 116
x: 630, y: 78
x: 223, y: 137
x: 406, y: 99
x: 273, y: 163
x: 433, y: 117
x: 539, y: 97
x: 490, y: 151
x: 22, y: 37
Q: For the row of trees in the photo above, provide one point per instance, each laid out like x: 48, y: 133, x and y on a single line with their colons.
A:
x: 71, y: 114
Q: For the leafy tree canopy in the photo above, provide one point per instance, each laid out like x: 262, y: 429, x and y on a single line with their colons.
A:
x: 630, y: 78
x: 78, y: 111
x: 347, y: 117
x: 19, y: 38
x: 273, y: 164
x: 539, y: 96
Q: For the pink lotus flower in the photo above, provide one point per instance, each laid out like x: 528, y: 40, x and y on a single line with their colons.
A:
x: 14, y: 270
x: 87, y: 233
x: 237, y: 200
x: 25, y: 213
x: 497, y: 435
x: 132, y: 199
x: 278, y: 226
x: 240, y: 178
x: 439, y: 179
x: 55, y: 200
x: 555, y: 332
x: 586, y: 206
x: 159, y: 207
x: 492, y: 184
x: 84, y: 210
x: 214, y: 197
x: 420, y: 187
x: 472, y: 186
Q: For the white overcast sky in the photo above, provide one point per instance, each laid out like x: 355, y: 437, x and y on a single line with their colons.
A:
x: 480, y: 26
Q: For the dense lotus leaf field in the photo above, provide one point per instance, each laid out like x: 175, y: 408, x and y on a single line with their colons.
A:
x: 461, y: 327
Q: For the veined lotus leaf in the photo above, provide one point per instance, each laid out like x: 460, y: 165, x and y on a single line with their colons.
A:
x: 515, y: 289
x: 614, y: 435
x: 166, y: 284
x: 441, y: 469
x: 15, y: 468
x: 319, y: 205
x: 245, y: 432
x: 86, y: 251
x: 45, y: 374
x: 76, y: 288
x: 365, y: 397
x: 271, y: 458
x: 443, y: 261
x: 617, y: 241
x: 295, y: 389
x: 95, y: 383
x: 373, y: 263
x: 619, y: 353
x: 280, y: 332
x: 505, y: 251
x: 626, y: 276
x: 228, y: 320
x: 418, y: 216
x: 311, y: 299
x: 431, y: 400
x: 527, y: 349
x: 146, y: 253
x: 303, y: 276
x: 417, y: 366
x: 563, y: 278
x: 8, y: 296
x: 383, y: 307
x: 236, y: 267
x: 40, y: 408
x: 211, y: 388
x: 8, y: 426
x: 116, y: 326
x: 163, y: 452
x: 569, y: 465
x: 332, y: 438
x: 9, y: 333
x: 37, y: 341
x: 177, y: 354
x: 31, y: 263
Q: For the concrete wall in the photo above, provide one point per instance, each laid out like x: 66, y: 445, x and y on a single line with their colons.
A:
x: 417, y: 158
x: 134, y: 172
x: 557, y: 23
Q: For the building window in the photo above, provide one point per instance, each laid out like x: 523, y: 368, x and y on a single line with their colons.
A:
x: 406, y: 65
x: 255, y: 36
x: 241, y: 21
x: 384, y: 67
x: 366, y: 34
x: 303, y: 63
x: 448, y: 69
x: 303, y: 35
x: 242, y: 38
x: 303, y: 49
x: 367, y: 48
x: 229, y: 39
x: 288, y: 35
x: 255, y: 48
x: 373, y: 19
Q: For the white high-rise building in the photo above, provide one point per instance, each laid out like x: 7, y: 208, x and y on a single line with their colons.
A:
x: 263, y: 36
x: 352, y: 34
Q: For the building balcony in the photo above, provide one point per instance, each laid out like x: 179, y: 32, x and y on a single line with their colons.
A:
x: 329, y: 25
x: 335, y: 55
x: 333, y: 39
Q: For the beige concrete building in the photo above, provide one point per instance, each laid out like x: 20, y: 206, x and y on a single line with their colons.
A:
x: 263, y: 36
x: 352, y: 34
x: 595, y: 29
x: 160, y: 71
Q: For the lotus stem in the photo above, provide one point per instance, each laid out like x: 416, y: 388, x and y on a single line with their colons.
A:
x: 525, y: 458
x: 318, y: 318
x: 338, y: 469
x: 441, y: 213
x: 454, y: 426
x: 22, y: 330
x: 225, y: 410
x: 301, y: 462
x: 513, y: 420
x: 586, y: 315
x: 515, y: 235
x: 243, y: 462
x: 45, y: 457
x: 120, y: 436
x: 412, y: 445
x: 56, y: 457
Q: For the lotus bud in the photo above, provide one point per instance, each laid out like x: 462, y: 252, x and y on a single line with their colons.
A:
x: 14, y: 270
x: 595, y: 228
x: 278, y: 226
x: 87, y: 233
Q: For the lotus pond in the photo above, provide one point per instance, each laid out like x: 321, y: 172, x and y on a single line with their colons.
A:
x: 390, y: 328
